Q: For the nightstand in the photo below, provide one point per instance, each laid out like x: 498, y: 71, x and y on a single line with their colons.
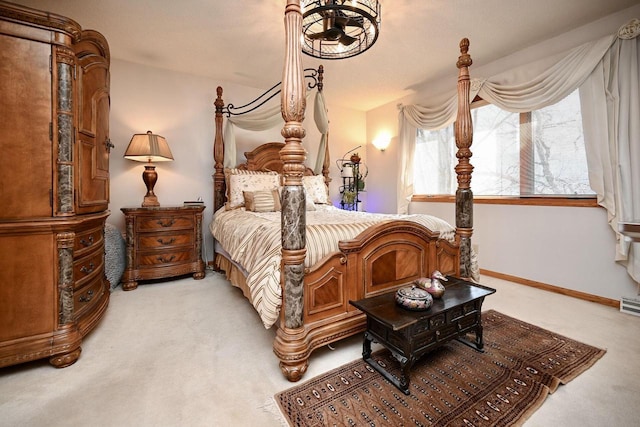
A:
x: 162, y: 242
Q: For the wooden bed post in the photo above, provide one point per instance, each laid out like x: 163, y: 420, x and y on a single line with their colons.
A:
x: 218, y: 155
x: 293, y: 104
x: 464, y: 136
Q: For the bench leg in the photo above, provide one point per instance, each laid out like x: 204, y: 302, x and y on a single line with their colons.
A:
x: 405, y: 364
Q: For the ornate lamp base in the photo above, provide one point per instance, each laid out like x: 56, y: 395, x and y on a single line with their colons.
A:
x: 150, y: 176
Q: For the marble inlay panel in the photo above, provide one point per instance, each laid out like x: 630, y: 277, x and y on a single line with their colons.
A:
x: 293, y: 290
x: 65, y: 188
x: 293, y: 217
x: 65, y: 88
x: 65, y: 138
x: 65, y: 284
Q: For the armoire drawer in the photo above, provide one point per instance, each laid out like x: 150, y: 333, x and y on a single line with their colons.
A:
x: 87, y: 267
x: 87, y: 239
x: 86, y: 296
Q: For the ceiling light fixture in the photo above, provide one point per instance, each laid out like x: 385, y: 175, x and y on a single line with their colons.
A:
x: 337, y: 29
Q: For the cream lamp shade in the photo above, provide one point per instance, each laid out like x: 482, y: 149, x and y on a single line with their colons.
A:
x: 148, y: 147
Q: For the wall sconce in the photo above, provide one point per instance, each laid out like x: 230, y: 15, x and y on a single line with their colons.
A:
x: 382, y: 141
x: 148, y: 147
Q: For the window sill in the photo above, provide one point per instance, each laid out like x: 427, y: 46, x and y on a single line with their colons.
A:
x: 586, y: 201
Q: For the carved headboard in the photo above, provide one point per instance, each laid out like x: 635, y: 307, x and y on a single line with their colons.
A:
x: 267, y: 157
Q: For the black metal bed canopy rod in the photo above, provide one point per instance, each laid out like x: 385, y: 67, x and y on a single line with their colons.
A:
x: 312, y: 76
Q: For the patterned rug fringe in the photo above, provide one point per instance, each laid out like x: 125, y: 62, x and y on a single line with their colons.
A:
x: 271, y: 407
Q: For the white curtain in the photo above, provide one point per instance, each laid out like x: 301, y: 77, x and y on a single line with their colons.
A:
x: 255, y: 121
x: 269, y: 118
x: 439, y: 114
x: 321, y: 117
x: 612, y: 142
x: 610, y: 104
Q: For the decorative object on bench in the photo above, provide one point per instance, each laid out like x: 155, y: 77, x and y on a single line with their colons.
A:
x: 433, y: 284
x: 414, y: 298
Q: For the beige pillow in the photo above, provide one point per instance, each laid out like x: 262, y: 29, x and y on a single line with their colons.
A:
x: 314, y: 186
x: 262, y: 201
x: 309, y: 204
x: 239, y: 181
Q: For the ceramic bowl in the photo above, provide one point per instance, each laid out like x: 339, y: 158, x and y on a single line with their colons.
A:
x: 414, y: 298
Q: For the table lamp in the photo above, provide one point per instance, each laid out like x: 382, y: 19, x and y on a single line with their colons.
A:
x: 148, y: 147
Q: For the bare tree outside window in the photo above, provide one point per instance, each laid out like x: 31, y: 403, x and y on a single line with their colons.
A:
x: 539, y: 153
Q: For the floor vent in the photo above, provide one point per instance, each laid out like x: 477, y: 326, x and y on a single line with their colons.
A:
x: 630, y: 306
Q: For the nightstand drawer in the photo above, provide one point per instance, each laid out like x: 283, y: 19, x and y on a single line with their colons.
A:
x: 174, y: 222
x: 159, y: 258
x: 164, y: 240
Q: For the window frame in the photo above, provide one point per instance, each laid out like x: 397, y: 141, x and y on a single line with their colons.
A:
x: 526, y: 178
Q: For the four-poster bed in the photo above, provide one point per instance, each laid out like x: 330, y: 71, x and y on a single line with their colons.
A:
x: 314, y: 288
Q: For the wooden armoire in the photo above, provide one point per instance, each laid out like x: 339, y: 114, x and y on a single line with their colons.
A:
x: 54, y: 184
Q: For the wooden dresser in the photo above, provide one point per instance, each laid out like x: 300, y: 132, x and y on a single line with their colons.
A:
x: 54, y: 184
x: 162, y: 242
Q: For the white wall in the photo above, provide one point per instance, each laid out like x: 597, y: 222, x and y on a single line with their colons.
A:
x: 180, y: 108
x: 563, y: 246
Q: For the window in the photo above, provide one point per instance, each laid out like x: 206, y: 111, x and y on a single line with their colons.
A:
x: 539, y: 153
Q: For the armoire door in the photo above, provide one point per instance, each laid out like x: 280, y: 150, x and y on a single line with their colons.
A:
x: 25, y: 115
x: 93, y: 144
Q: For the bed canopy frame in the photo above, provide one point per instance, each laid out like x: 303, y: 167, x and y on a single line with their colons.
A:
x: 314, y: 79
x: 294, y: 341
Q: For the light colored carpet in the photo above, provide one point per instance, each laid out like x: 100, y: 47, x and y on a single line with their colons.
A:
x: 194, y: 353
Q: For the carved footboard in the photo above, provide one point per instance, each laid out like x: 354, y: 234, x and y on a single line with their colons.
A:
x: 380, y: 259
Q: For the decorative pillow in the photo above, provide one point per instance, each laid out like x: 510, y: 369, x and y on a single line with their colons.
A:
x: 239, y: 181
x: 310, y: 205
x: 315, y: 186
x: 262, y: 201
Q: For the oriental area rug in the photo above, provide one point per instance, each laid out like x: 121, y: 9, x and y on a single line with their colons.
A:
x: 453, y: 385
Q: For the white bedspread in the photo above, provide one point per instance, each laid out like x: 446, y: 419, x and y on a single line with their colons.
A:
x: 253, y: 240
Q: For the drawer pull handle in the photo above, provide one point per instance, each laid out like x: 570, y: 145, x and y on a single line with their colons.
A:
x: 166, y: 242
x: 166, y: 223
x: 164, y: 259
x: 86, y: 270
x: 87, y: 297
x: 87, y: 242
